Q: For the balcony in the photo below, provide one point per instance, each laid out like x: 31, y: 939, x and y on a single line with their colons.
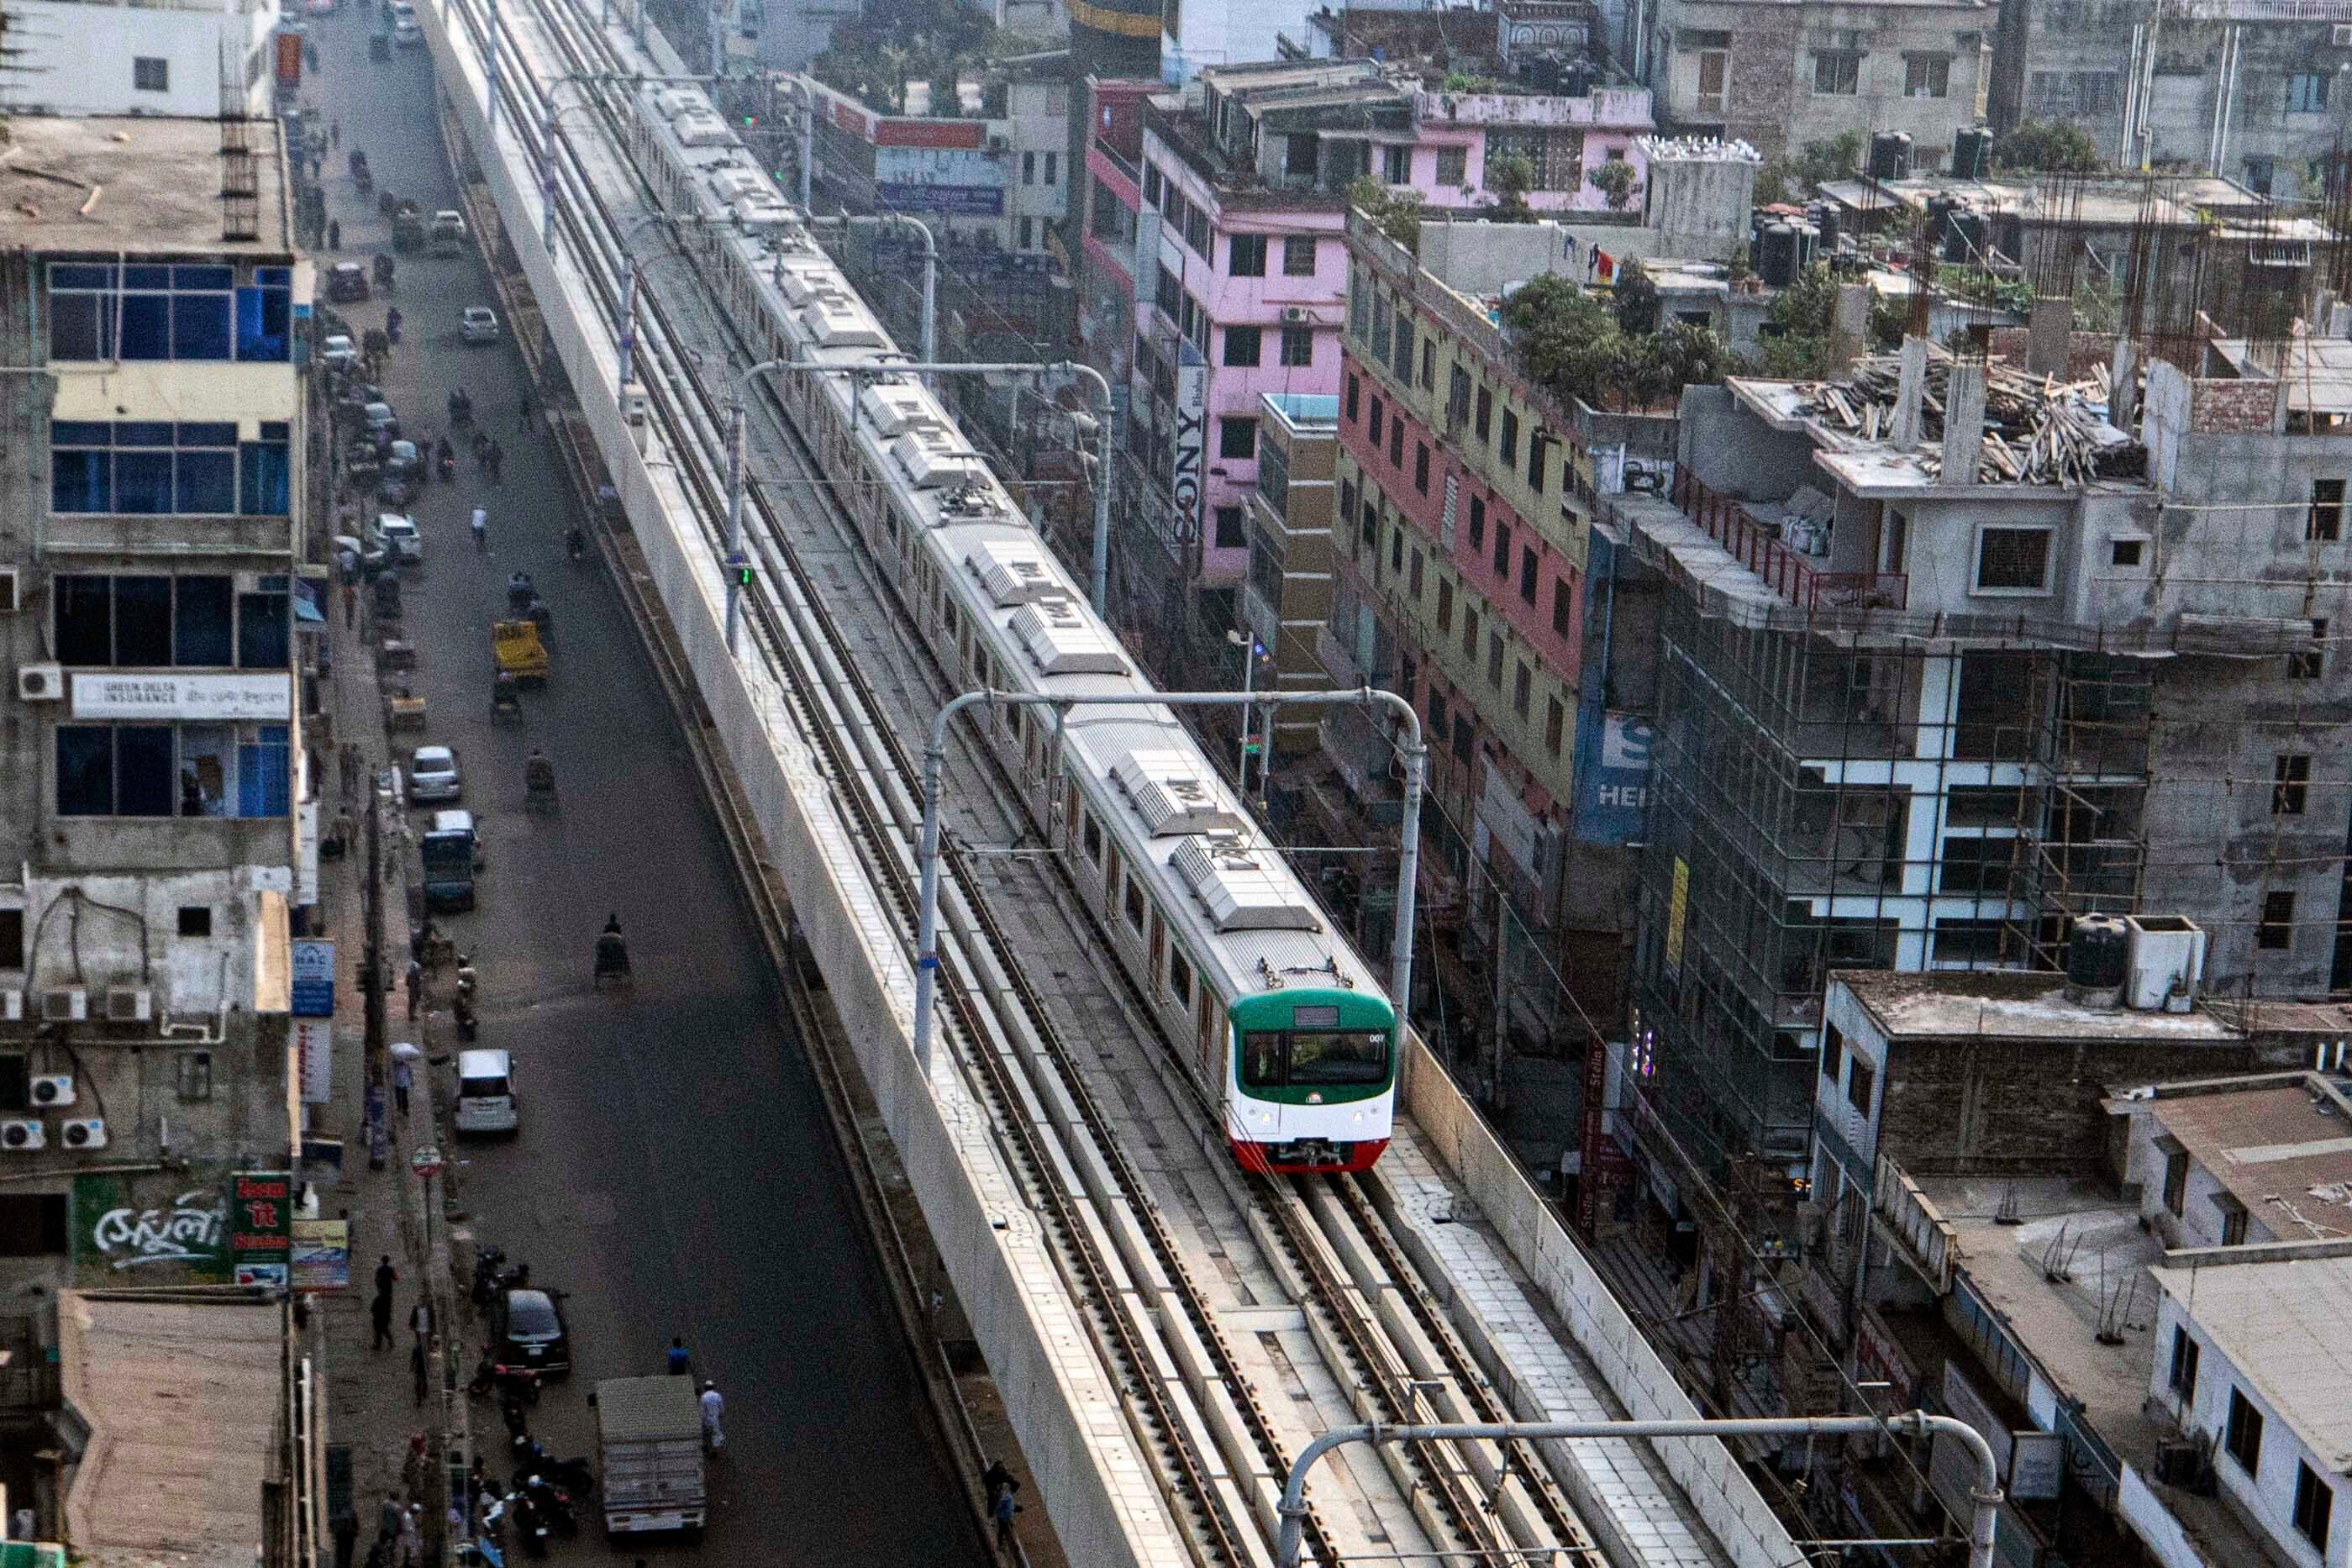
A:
x: 1756, y: 546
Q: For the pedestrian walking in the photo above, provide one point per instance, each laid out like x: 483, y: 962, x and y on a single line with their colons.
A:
x: 335, y: 135
x: 420, y: 1319
x: 413, y: 1468
x: 523, y: 414
x: 995, y: 1478
x: 416, y: 985
x: 417, y: 1366
x: 1002, y: 1509
x: 481, y: 531
x: 379, y: 1310
x: 350, y: 607
x: 713, y: 1406
x: 385, y: 1275
x: 677, y: 1356
x: 391, y: 1516
x: 334, y: 233
x: 410, y: 1551
x: 404, y: 1077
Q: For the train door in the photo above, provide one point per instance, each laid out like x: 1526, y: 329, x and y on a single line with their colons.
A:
x: 1212, y: 1053
x: 1159, y: 953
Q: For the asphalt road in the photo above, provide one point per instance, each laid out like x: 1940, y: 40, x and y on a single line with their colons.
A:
x: 675, y: 1172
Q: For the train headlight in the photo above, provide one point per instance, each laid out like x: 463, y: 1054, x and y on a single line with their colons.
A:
x: 1358, y: 1116
x: 1314, y: 1097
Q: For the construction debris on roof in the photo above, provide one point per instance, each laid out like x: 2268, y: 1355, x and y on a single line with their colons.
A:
x: 2038, y: 430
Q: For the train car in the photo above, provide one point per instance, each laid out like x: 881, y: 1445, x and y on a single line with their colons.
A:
x: 1279, y: 1018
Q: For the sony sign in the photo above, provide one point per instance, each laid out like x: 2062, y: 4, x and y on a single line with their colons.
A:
x: 1192, y: 414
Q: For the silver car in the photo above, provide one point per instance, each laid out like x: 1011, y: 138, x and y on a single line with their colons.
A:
x: 433, y: 774
x: 478, y: 325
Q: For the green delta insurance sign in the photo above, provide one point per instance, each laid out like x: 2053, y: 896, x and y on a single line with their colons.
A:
x: 234, y: 1227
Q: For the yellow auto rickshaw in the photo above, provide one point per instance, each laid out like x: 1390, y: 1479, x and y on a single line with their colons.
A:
x: 516, y: 648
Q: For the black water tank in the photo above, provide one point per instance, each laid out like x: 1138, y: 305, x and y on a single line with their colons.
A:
x: 1890, y: 155
x: 1964, y: 236
x: 1972, y: 152
x: 2098, y: 953
x: 1776, y: 258
x: 1825, y: 217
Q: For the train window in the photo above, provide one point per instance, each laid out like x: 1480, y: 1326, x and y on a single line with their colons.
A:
x: 1261, y: 1059
x: 1275, y: 1058
x: 1135, y: 903
x: 1091, y: 832
x: 1180, y: 977
x: 1159, y: 942
x: 1110, y: 869
x: 1070, y: 805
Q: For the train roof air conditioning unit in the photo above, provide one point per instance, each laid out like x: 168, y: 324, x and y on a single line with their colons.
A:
x: 65, y: 1004
x: 40, y: 683
x: 130, y: 1005
x: 88, y: 1132
x: 22, y: 1137
x: 51, y: 1090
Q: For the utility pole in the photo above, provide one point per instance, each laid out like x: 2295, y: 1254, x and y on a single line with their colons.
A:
x: 372, y: 983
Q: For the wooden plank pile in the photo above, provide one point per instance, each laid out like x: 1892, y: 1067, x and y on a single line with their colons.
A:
x: 2038, y: 430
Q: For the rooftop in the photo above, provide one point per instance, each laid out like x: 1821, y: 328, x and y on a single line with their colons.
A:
x: 182, y: 1398
x: 1304, y: 410
x: 2282, y: 1149
x: 141, y: 185
x: 2015, y: 1005
x: 2099, y: 202
x: 2317, y: 371
x: 2282, y: 1326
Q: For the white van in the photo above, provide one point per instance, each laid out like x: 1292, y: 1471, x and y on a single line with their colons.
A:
x: 486, y: 1095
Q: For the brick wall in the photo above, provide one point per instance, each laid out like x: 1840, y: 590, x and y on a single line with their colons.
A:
x: 2230, y: 405
x: 1973, y: 1106
x: 2083, y: 350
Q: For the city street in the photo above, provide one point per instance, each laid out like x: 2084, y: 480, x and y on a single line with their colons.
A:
x: 675, y: 1172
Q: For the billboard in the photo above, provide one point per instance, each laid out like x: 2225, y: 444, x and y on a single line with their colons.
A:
x: 967, y: 134
x: 1191, y: 443
x: 1612, y: 777
x: 952, y: 201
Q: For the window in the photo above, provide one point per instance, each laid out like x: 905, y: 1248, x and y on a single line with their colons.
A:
x: 2306, y: 92
x: 1926, y: 76
x: 1353, y: 387
x: 1429, y: 365
x: 34, y: 1224
x: 1464, y: 738
x: 1536, y: 444
x: 12, y: 939
x: 1509, y: 448
x: 153, y: 312
x: 1837, y: 75
x: 1714, y: 70
x: 2290, y: 784
x: 137, y: 621
x: 1469, y: 632
x: 1967, y: 942
x: 1302, y: 156
x: 2012, y: 560
x: 1526, y: 575
x: 196, y: 920
x: 155, y: 467
x: 1229, y: 532
x: 2182, y: 1377
x: 1028, y: 240
x: 1091, y: 834
x: 1396, y: 551
x: 1180, y: 978
x: 1833, y: 1053
x: 1503, y: 551
x: 1421, y: 467
x: 108, y: 770
x: 2233, y: 1224
x: 1522, y: 688
x: 2275, y: 931
x: 1454, y: 165
x: 1373, y: 426
x: 2314, y: 1505
x: 1371, y: 528
x: 1396, y: 442
x: 1978, y: 865
x: 1555, y: 724
x: 1246, y: 256
x: 1485, y: 417
x: 1053, y: 168
x: 2308, y: 666
x: 2176, y: 1181
x: 149, y: 74
x: 1396, y: 165
x: 1169, y: 294
x: 1274, y: 477
x: 2325, y: 522
x: 1196, y: 230
x: 1477, y: 521
x: 2261, y: 174
x: 264, y: 633
x: 1028, y: 168
x: 1563, y: 608
x: 1152, y: 184
x: 1297, y: 346
x: 1243, y: 345
x: 1415, y: 586
x: 2243, y: 1437
x: 1860, y: 1080
x: 1495, y: 659
x: 1237, y: 437
x: 1298, y: 255
x: 1436, y: 710
x: 1108, y: 217
x: 1445, y: 606
x: 2126, y: 551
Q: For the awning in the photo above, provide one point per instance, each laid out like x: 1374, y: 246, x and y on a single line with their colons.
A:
x: 307, y: 594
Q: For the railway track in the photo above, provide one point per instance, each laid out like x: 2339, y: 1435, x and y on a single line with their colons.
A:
x: 1154, y: 1326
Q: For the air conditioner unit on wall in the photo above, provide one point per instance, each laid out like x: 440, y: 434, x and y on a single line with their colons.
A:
x: 89, y: 1132
x: 1296, y: 315
x: 66, y: 1005
x: 22, y: 1137
x: 12, y: 1007
x: 40, y: 683
x: 130, y: 1005
x: 53, y: 1089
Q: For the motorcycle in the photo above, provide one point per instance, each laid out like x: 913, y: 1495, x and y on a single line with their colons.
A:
x: 555, y: 1506
x: 466, y: 976
x: 392, y: 327
x: 575, y: 543
x: 467, y: 1026
x: 447, y: 465
x: 530, y: 1522
x: 574, y: 1476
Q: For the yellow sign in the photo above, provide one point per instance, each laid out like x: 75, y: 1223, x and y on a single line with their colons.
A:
x: 1677, y: 909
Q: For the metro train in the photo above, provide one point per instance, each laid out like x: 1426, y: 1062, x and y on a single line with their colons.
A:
x: 1285, y: 1021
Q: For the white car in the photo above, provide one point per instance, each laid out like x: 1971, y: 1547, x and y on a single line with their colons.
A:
x: 433, y: 774
x: 486, y: 1093
x: 399, y: 537
x: 338, y: 353
x: 478, y: 325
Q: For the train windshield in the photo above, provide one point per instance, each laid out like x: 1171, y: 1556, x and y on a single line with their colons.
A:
x: 1279, y: 1058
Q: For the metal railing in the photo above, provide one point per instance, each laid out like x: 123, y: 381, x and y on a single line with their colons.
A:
x: 1789, y: 572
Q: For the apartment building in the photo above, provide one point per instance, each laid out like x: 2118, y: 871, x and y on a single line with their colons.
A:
x: 1780, y: 74
x: 2249, y: 88
x: 197, y: 57
x: 154, y: 790
x: 1286, y: 597
x: 1223, y: 236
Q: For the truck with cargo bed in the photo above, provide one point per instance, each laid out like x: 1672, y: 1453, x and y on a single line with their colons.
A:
x: 650, y: 1433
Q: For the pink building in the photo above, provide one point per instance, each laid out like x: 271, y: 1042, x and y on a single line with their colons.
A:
x: 1221, y: 241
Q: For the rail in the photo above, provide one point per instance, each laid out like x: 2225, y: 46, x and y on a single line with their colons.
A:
x: 1756, y: 546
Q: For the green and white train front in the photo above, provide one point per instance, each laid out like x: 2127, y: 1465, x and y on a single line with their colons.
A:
x: 1311, y: 1079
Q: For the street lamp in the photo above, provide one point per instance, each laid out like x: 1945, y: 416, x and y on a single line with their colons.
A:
x: 1252, y: 651
x: 627, y: 335
x: 547, y: 165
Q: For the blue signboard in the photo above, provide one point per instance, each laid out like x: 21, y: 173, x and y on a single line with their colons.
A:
x: 955, y: 201
x: 1612, y: 777
x: 314, y: 979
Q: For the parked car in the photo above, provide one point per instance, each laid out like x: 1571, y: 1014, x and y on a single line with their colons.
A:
x: 339, y: 352
x: 487, y: 1103
x: 478, y: 325
x: 526, y: 1332
x: 347, y: 281
x: 405, y: 31
x: 433, y: 774
x: 448, y: 232
x: 380, y: 416
x: 399, y: 536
